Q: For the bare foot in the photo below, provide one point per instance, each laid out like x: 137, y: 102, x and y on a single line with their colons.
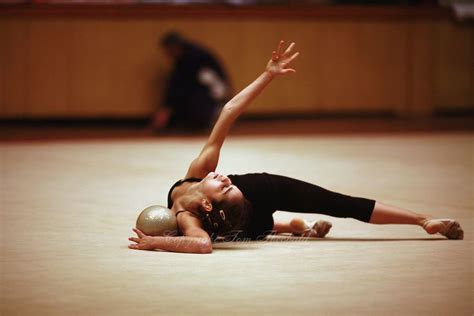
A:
x: 301, y: 228
x: 321, y: 228
x: 446, y: 227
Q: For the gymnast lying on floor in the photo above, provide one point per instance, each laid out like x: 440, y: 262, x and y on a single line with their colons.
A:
x: 208, y: 204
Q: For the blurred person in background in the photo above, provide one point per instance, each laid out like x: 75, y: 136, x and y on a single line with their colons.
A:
x: 195, y: 90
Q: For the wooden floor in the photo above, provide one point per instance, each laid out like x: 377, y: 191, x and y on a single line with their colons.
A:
x: 68, y: 207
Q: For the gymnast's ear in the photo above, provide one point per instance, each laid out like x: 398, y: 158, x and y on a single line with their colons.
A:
x: 206, y: 205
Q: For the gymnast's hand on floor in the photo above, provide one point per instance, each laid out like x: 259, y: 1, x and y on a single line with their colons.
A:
x: 143, y: 242
x: 278, y: 64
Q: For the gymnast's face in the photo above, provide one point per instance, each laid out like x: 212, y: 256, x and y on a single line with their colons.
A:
x: 219, y: 188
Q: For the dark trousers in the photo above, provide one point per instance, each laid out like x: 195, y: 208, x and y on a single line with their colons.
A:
x: 269, y: 193
x: 298, y: 196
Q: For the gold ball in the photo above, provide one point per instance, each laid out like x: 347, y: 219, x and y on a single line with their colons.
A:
x: 157, y: 220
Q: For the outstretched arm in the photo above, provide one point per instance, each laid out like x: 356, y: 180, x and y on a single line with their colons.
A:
x: 195, y: 239
x: 209, y: 157
x: 189, y: 244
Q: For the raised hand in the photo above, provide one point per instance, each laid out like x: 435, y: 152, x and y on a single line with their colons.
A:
x: 278, y: 64
x: 143, y: 242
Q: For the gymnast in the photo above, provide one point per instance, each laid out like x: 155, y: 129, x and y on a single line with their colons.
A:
x: 209, y: 205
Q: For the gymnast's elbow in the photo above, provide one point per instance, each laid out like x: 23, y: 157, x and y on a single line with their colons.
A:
x: 228, y: 108
x: 231, y: 107
x: 197, y: 240
x: 204, y: 246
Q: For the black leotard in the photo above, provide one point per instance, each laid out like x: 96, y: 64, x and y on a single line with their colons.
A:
x: 268, y: 193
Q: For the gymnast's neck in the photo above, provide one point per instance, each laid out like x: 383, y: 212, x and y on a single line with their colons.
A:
x: 189, y: 200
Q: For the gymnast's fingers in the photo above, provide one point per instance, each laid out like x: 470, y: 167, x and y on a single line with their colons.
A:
x: 274, y: 56
x: 293, y: 57
x: 279, y: 48
x: 288, y: 71
x: 135, y: 239
x: 289, y: 49
x: 139, y: 232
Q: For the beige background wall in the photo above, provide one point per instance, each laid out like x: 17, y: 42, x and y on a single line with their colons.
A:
x: 57, y: 66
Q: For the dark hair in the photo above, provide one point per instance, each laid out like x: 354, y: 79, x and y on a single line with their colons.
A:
x: 226, y: 217
x: 171, y: 39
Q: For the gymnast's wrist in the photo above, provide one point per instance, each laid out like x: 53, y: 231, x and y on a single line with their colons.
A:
x: 268, y: 74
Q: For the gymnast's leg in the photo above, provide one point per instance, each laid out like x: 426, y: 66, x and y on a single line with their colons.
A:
x: 300, y: 227
x: 297, y: 196
x: 387, y: 214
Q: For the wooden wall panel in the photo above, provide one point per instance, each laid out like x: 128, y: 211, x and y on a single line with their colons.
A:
x: 13, y: 68
x: 113, y: 68
x: 90, y: 67
x: 360, y: 65
x: 454, y: 72
x: 421, y: 65
x: 49, y: 67
x: 344, y: 66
